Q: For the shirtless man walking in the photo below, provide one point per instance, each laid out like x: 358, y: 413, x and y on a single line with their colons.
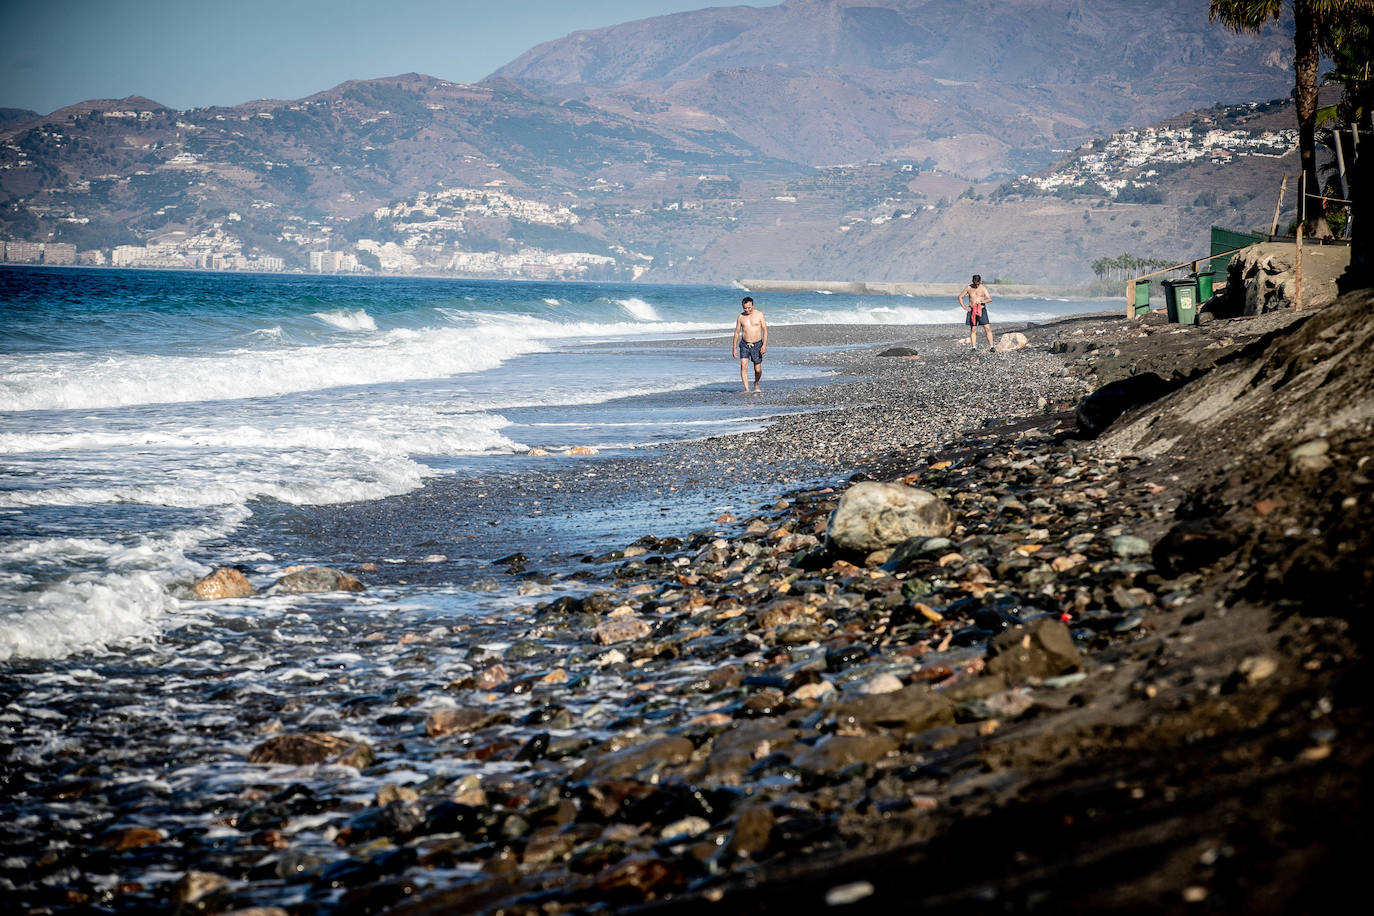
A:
x: 751, y: 341
x: 977, y: 308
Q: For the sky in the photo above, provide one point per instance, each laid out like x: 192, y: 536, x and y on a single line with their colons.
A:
x: 192, y: 53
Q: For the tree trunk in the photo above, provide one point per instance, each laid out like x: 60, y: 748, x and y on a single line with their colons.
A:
x: 1307, y: 66
x: 1360, y: 273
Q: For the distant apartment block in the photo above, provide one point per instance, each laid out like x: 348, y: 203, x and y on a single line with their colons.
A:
x: 331, y: 262
x: 38, y: 252
x: 127, y: 255
x: 147, y: 256
x: 24, y: 252
x: 59, y: 253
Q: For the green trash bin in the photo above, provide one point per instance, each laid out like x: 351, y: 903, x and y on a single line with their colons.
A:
x: 1204, y: 285
x: 1180, y: 299
x: 1142, y: 299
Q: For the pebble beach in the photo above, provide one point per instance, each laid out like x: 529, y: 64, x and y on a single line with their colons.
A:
x: 682, y: 687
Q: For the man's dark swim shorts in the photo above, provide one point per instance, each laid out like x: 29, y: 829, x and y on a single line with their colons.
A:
x: 982, y: 316
x: 751, y: 351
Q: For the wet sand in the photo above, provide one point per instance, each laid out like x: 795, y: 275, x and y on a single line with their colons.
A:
x: 872, y: 405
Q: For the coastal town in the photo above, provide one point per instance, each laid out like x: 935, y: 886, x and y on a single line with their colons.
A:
x: 1132, y: 160
x: 468, y: 230
x: 423, y: 235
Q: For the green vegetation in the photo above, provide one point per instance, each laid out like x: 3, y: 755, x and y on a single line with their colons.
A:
x: 551, y: 238
x: 1126, y: 265
x: 1134, y: 194
x: 98, y: 233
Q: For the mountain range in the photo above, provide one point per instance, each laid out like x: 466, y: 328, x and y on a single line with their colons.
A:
x: 817, y: 138
x: 979, y: 86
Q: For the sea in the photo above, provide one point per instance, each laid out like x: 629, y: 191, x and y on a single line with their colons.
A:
x: 149, y: 418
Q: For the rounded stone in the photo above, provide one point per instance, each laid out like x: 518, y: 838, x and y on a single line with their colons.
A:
x: 873, y: 516
x: 224, y: 582
x: 1128, y: 545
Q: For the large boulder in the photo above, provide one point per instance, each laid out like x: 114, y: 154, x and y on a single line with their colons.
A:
x: 224, y: 582
x: 303, y: 749
x: 1264, y: 277
x: 306, y: 579
x: 908, y: 711
x: 621, y: 629
x: 873, y: 516
x: 667, y: 751
x: 1012, y: 340
x: 1029, y: 654
x: 1099, y: 410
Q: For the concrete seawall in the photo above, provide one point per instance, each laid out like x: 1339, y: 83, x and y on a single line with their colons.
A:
x: 932, y: 290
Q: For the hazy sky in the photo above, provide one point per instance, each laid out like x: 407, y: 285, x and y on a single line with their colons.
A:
x: 189, y: 53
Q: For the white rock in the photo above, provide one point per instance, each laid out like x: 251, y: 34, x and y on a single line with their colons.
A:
x: 872, y: 516
x: 882, y: 683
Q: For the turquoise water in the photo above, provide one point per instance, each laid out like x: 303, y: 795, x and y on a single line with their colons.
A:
x: 145, y: 414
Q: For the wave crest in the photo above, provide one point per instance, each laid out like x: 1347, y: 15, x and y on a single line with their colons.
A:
x: 346, y: 320
x: 639, y: 309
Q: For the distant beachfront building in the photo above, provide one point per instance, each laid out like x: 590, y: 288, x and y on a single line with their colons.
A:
x: 38, y: 252
x: 59, y: 253
x: 126, y: 255
x: 23, y: 252
x: 148, y: 256
x: 332, y: 262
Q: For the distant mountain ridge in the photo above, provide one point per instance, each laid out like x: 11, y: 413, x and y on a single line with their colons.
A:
x: 779, y: 168
x: 339, y: 153
x: 829, y: 81
x: 13, y: 115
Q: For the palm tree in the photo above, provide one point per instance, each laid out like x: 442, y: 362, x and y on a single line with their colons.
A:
x: 1351, y: 59
x: 1314, y: 30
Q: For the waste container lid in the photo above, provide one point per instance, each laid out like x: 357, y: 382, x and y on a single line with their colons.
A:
x: 1180, y: 281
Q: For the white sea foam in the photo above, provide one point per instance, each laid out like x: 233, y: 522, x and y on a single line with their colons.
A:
x: 467, y: 433
x: 74, y: 381
x: 541, y: 329
x: 388, y: 478
x: 551, y: 301
x: 310, y: 479
x: 302, y: 460
x: 85, y: 614
x: 86, y: 607
x: 639, y: 309
x: 865, y: 313
x: 345, y: 320
x: 868, y: 313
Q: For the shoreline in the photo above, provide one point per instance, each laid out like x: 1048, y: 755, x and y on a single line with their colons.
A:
x: 914, y: 289
x: 877, y: 288
x: 869, y: 406
x: 1048, y: 708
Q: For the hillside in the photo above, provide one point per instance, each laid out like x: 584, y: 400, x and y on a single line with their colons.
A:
x: 668, y: 163
x: 1153, y: 192
x: 979, y: 86
x: 278, y: 178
